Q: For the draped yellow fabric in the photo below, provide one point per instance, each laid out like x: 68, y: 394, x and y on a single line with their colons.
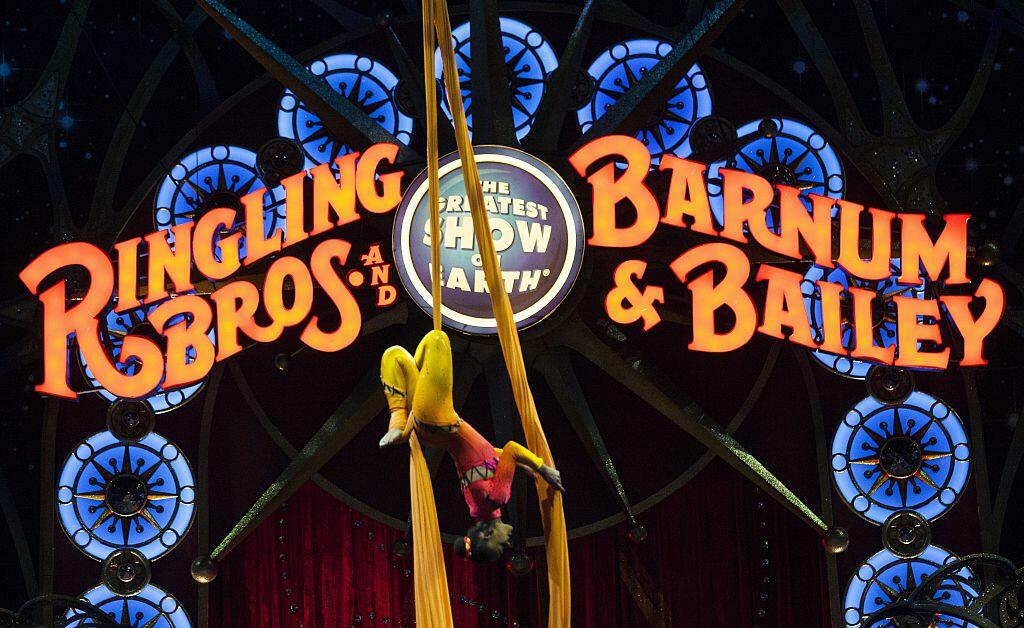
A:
x: 430, y: 582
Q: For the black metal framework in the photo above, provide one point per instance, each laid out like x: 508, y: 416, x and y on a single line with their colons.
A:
x: 900, y: 163
x: 993, y: 596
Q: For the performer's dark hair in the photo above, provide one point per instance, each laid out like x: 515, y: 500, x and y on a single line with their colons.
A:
x: 479, y: 549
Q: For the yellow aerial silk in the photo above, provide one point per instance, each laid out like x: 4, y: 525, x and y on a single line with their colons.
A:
x: 433, y: 608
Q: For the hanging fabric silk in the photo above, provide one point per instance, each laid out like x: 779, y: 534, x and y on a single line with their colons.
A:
x: 430, y: 583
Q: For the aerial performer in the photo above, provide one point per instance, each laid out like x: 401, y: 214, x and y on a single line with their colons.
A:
x: 419, y: 395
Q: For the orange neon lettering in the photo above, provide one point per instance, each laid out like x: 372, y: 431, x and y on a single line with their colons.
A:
x: 257, y: 245
x: 334, y: 195
x: 918, y: 249
x: 626, y: 303
x: 59, y: 323
x: 975, y: 330
x: 784, y: 306
x: 687, y: 195
x: 127, y: 274
x: 173, y: 262
x: 831, y: 317
x: 367, y: 178
x: 709, y: 297
x: 236, y: 310
x: 746, y: 198
x: 813, y: 227
x: 379, y: 274
x: 911, y: 330
x: 609, y: 190
x: 190, y: 331
x: 294, y: 208
x: 386, y: 295
x: 288, y: 270
x: 207, y: 238
x: 321, y: 263
x: 875, y: 267
x: 864, y: 346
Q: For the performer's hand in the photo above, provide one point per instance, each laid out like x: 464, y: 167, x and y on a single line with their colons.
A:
x: 552, y: 477
x: 393, y: 436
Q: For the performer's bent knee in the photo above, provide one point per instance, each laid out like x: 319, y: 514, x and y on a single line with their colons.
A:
x: 396, y: 357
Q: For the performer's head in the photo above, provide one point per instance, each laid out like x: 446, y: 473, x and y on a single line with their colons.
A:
x: 485, y: 542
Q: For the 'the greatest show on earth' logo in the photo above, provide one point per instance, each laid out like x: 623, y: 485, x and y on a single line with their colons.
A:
x: 537, y: 229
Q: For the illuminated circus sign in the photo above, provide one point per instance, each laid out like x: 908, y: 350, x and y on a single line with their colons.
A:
x: 833, y: 309
x: 211, y: 246
x: 626, y: 213
x: 538, y: 235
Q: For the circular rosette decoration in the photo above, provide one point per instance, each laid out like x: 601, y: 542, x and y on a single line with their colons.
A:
x: 884, y: 313
x: 117, y: 325
x: 884, y: 577
x: 211, y: 178
x: 151, y: 607
x: 112, y: 494
x: 367, y: 83
x: 909, y: 456
x: 620, y: 67
x: 530, y: 59
x: 785, y: 152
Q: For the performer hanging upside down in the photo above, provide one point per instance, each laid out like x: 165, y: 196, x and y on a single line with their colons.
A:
x: 419, y: 394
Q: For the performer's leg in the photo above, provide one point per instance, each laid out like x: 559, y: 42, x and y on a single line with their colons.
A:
x: 398, y: 375
x: 434, y: 402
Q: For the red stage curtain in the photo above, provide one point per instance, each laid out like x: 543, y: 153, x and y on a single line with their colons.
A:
x: 718, y: 553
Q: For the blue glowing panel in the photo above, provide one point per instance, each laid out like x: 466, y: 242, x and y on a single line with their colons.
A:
x: 116, y: 326
x: 785, y: 152
x: 113, y: 494
x: 884, y: 577
x: 885, y: 313
x: 214, y: 177
x: 530, y: 60
x: 367, y: 83
x: 152, y: 607
x: 910, y: 456
x: 618, y: 68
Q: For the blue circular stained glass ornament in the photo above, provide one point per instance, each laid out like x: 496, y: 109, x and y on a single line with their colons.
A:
x: 885, y: 576
x: 909, y: 456
x: 619, y: 67
x: 215, y: 177
x: 530, y: 60
x: 112, y: 494
x: 116, y: 325
x: 884, y: 329
x: 785, y: 152
x: 366, y: 82
x: 152, y: 607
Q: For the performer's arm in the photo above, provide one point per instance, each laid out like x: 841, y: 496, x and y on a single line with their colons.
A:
x: 520, y: 455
